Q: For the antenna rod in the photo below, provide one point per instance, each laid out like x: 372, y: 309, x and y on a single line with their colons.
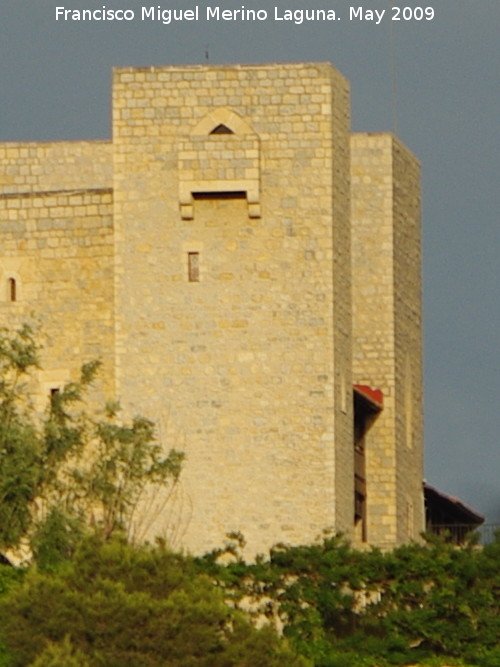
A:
x: 394, y: 95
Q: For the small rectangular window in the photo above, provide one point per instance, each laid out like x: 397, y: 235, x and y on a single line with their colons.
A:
x: 12, y: 289
x: 54, y: 394
x: 194, y: 267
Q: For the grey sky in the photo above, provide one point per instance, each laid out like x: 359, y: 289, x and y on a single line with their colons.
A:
x: 55, y: 84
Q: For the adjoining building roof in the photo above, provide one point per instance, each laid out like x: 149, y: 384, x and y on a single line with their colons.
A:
x: 444, y: 509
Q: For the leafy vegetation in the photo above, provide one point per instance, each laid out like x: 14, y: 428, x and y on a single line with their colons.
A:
x: 66, y: 471
x: 338, y: 606
x: 20, y: 447
x: 111, y: 603
x: 116, y: 604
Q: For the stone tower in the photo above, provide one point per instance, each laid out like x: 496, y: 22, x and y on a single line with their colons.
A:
x: 241, y: 175
x: 205, y: 255
x: 387, y: 351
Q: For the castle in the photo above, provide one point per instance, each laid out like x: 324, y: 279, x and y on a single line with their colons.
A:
x: 248, y: 270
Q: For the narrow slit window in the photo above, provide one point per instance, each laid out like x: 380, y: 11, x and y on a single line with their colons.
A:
x: 12, y: 286
x: 194, y: 267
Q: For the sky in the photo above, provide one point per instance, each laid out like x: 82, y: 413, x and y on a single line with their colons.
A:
x: 435, y: 82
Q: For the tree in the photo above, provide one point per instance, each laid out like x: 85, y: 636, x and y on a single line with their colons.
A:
x: 68, y: 469
x: 20, y: 442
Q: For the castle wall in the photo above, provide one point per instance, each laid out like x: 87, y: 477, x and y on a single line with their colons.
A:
x: 211, y: 273
x: 55, y: 166
x: 239, y: 367
x: 58, y: 247
x: 387, y: 329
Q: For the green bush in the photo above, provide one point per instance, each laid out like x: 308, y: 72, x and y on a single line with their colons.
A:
x: 61, y: 655
x: 112, y: 604
x: 121, y: 605
x: 418, y: 603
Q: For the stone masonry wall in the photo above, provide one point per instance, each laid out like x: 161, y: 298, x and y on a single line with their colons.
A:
x: 342, y: 313
x: 408, y: 342
x: 238, y: 368
x: 58, y: 247
x: 387, y: 320
x: 55, y: 166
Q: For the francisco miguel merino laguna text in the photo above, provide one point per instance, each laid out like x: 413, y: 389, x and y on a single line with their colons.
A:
x: 214, y: 13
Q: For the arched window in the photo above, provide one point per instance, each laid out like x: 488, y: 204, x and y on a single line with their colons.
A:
x: 221, y: 129
x: 12, y: 289
x: 222, y: 121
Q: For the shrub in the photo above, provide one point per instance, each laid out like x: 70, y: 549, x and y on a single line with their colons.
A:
x: 122, y: 605
x: 341, y: 606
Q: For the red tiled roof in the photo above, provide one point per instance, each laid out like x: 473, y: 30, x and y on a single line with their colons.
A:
x: 375, y: 396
